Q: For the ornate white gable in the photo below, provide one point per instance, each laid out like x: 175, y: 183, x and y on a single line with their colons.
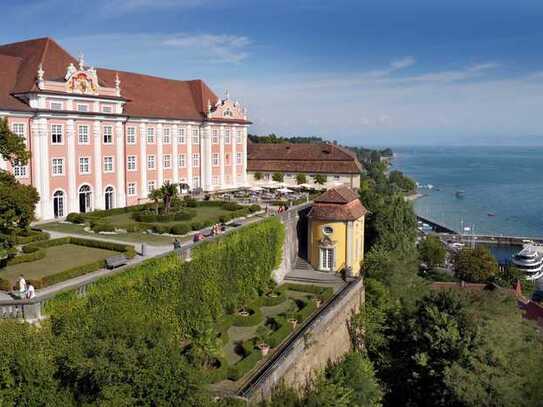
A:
x: 226, y: 109
x: 82, y: 80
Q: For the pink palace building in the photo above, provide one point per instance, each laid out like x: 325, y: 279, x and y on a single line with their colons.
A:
x: 103, y: 139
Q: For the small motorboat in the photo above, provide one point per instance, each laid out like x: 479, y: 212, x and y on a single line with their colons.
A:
x: 459, y: 194
x: 491, y: 214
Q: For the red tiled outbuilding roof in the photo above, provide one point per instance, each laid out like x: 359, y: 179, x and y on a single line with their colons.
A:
x: 145, y: 95
x: 302, y: 158
x: 337, y: 204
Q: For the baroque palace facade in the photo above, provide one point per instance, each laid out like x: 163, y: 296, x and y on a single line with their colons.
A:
x: 103, y: 139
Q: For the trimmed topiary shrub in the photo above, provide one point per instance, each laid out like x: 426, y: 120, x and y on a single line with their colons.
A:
x: 102, y: 227
x: 253, y: 319
x: 31, y: 236
x: 283, y: 329
x: 181, y: 229
x: 74, y: 217
x: 274, y: 298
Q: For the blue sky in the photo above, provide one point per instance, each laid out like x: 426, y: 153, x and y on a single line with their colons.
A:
x: 361, y: 72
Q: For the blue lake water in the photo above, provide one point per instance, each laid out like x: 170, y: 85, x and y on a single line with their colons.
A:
x: 504, y: 181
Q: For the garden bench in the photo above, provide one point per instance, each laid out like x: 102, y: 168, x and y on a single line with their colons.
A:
x: 116, y: 261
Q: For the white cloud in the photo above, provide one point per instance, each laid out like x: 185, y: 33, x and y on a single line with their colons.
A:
x: 402, y: 63
x: 185, y: 48
x: 224, y: 48
x: 116, y: 7
x: 433, y: 106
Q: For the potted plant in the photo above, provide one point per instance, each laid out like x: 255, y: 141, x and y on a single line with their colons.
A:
x: 261, y: 344
x: 292, y: 320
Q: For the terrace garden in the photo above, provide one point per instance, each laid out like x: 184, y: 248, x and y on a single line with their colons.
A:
x: 152, y: 223
x: 175, y: 323
x: 47, y: 262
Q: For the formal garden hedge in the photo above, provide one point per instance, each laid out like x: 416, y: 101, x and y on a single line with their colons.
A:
x: 36, y: 251
x: 126, y: 322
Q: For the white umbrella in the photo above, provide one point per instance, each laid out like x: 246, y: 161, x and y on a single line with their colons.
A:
x: 284, y: 190
x: 256, y: 189
x: 306, y: 186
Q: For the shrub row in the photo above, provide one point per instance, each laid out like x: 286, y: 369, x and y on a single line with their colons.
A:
x: 36, y: 254
x: 184, y: 228
x: 308, y: 308
x: 148, y: 216
x: 254, y: 319
x: 67, y: 274
x: 75, y: 217
x: 324, y: 293
x: 241, y: 368
x: 98, y: 226
x: 31, y: 236
x: 268, y: 301
x: 279, y: 335
x: 128, y: 250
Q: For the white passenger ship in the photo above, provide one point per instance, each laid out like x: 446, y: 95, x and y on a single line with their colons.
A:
x: 530, y: 260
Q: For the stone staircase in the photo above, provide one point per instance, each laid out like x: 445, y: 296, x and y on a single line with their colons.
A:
x: 304, y: 273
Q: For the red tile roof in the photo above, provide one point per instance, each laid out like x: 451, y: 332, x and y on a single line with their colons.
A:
x: 339, y: 203
x: 147, y: 96
x: 304, y: 158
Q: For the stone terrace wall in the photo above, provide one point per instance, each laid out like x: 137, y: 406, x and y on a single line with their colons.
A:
x: 326, y: 339
x: 290, y: 220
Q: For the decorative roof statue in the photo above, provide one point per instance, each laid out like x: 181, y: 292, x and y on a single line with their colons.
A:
x: 208, y: 106
x: 117, y: 84
x: 70, y: 71
x: 81, y: 62
x: 41, y: 72
x: 226, y: 95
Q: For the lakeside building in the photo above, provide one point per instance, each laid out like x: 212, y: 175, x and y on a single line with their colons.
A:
x: 339, y: 165
x: 102, y: 138
x: 336, y: 231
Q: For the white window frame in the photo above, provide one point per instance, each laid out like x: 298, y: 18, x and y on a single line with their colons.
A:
x: 238, y: 158
x: 108, y: 134
x: 151, y: 185
x: 150, y: 139
x: 215, y: 160
x: 15, y: 129
x: 79, y: 128
x: 195, y: 136
x: 166, y: 135
x: 181, y: 161
x: 131, y: 189
x: 131, y: 135
x: 56, y: 165
x: 238, y: 136
x: 107, y: 109
x: 19, y: 171
x: 151, y: 158
x: 167, y: 161
x: 215, y: 180
x: 227, y: 136
x: 109, y: 164
x: 88, y: 165
x: 195, y: 160
x: 131, y: 163
x: 53, y: 103
x: 85, y: 107
x: 181, y: 135
x: 196, y: 181
x: 53, y: 133
x: 215, y: 136
x: 326, y: 258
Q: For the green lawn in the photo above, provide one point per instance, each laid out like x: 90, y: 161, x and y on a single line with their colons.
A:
x: 132, y: 237
x: 202, y: 213
x: 57, y: 259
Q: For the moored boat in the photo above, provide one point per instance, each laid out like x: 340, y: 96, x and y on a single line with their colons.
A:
x: 530, y: 261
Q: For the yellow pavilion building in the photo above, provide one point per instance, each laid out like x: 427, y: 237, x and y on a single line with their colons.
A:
x: 336, y: 232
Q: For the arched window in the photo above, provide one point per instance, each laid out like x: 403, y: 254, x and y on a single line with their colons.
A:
x: 85, y: 195
x: 58, y: 204
x: 109, y: 197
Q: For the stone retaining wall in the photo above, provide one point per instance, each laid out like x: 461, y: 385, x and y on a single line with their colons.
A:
x: 325, y: 339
